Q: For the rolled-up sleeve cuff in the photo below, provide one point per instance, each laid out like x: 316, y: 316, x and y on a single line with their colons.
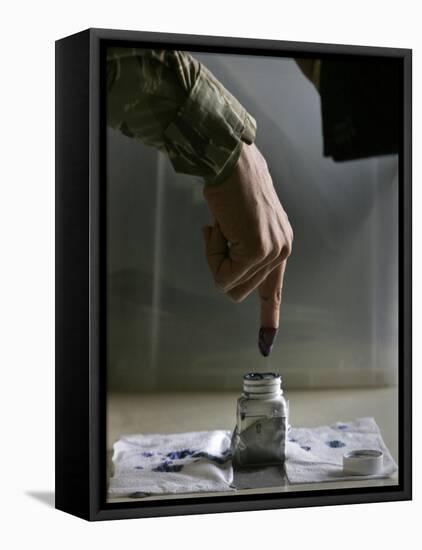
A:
x: 206, y: 137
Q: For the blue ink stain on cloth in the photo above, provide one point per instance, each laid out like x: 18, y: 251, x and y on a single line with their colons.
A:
x: 335, y: 444
x: 174, y: 455
x: 178, y: 455
x: 342, y: 426
x: 305, y: 447
x: 168, y: 466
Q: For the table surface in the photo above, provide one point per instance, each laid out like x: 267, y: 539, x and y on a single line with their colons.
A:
x: 180, y: 412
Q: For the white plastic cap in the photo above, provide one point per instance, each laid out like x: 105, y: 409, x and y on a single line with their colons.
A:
x: 264, y: 384
x: 364, y: 462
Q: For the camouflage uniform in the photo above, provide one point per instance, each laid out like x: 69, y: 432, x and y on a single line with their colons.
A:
x: 169, y: 100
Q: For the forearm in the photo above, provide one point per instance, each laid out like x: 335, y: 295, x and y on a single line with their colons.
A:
x: 169, y: 100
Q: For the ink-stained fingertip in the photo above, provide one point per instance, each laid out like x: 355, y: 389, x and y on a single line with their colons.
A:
x: 266, y: 339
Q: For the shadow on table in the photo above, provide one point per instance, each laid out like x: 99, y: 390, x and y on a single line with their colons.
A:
x: 45, y: 497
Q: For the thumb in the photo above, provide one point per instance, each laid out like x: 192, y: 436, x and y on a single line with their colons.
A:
x: 216, y: 249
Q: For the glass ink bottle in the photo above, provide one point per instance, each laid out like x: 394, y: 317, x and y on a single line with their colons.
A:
x: 259, y: 438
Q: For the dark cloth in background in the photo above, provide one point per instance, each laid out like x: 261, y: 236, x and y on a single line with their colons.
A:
x: 360, y: 106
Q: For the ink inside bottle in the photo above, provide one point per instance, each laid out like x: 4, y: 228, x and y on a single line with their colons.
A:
x: 261, y: 422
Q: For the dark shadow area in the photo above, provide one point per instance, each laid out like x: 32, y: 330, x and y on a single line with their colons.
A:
x: 45, y: 497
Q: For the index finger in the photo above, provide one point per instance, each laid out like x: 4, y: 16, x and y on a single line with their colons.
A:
x: 270, y: 291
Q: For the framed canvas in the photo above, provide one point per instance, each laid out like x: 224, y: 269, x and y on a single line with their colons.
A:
x: 233, y: 274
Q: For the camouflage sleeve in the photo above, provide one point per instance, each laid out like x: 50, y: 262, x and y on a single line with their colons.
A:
x: 168, y: 100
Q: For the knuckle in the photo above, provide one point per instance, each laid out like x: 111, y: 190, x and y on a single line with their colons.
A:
x: 287, y: 250
x: 262, y: 250
x: 277, y: 250
x: 277, y: 297
x: 273, y: 301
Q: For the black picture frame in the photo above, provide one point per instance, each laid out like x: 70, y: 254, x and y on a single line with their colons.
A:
x: 80, y: 281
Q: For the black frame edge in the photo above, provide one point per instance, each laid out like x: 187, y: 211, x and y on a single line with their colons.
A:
x: 72, y: 419
x: 213, y: 43
x: 405, y: 278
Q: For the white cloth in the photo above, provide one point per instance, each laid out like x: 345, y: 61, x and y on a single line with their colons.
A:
x: 316, y: 454
x: 174, y: 463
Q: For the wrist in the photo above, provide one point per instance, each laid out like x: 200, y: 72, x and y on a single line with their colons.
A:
x: 228, y: 169
x: 232, y: 164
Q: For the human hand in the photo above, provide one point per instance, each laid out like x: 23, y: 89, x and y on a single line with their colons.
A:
x: 251, y: 239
